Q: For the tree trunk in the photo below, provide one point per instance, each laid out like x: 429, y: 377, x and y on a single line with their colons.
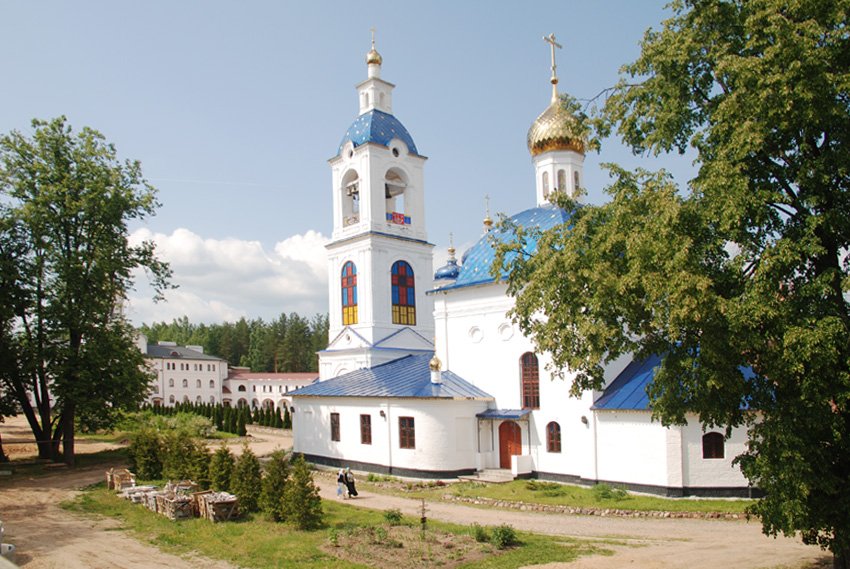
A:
x: 3, y: 457
x: 68, y: 434
x: 840, y: 560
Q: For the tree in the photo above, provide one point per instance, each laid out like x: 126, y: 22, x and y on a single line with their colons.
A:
x: 301, y: 504
x: 744, y: 269
x: 221, y: 469
x: 65, y: 201
x: 246, y: 481
x: 274, y: 484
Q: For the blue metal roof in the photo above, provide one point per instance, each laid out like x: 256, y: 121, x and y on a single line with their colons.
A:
x: 514, y: 414
x: 477, y: 260
x: 407, y: 377
x: 377, y: 126
x: 628, y: 390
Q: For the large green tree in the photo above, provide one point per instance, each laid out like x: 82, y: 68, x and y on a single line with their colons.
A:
x: 68, y: 354
x: 746, y: 267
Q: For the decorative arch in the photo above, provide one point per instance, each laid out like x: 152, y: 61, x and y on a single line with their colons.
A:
x: 403, y: 294
x: 241, y: 388
x: 530, y: 380
x: 713, y: 445
x: 268, y: 404
x: 242, y: 402
x: 395, y: 187
x: 553, y: 437
x: 349, y: 293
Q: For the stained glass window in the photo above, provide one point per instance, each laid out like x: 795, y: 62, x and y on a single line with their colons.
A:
x: 349, y: 294
x: 403, y: 294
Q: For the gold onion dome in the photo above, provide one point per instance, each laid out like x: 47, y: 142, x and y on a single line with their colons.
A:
x: 373, y: 57
x: 555, y: 129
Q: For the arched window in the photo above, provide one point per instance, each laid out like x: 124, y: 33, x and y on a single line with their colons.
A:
x: 562, y: 181
x: 240, y: 388
x: 350, y: 198
x: 212, y: 399
x: 575, y: 183
x: 170, y: 382
x: 198, y: 383
x: 171, y: 399
x: 212, y: 384
x: 185, y: 383
x: 712, y: 445
x: 404, y: 294
x: 530, y: 377
x: 198, y: 400
x: 553, y: 437
x: 349, y: 294
x: 545, y: 184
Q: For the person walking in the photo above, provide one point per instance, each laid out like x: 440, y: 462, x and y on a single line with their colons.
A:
x: 341, y: 486
x: 349, y: 483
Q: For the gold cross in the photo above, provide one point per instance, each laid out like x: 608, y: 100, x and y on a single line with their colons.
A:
x: 550, y: 39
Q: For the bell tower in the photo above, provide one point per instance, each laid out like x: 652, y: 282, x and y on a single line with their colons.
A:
x: 379, y: 259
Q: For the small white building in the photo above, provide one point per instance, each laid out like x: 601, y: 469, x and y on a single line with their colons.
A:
x: 391, y: 401
x: 263, y: 389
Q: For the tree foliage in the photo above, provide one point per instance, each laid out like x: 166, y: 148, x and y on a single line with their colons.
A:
x: 301, y: 504
x: 221, y: 469
x: 274, y: 483
x: 68, y: 353
x: 747, y: 268
x: 246, y: 482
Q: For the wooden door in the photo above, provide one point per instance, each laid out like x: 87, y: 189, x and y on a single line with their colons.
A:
x: 510, y: 442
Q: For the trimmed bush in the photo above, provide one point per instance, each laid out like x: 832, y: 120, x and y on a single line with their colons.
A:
x: 145, y: 452
x: 246, y: 480
x: 274, y: 485
x: 302, y: 505
x: 221, y: 469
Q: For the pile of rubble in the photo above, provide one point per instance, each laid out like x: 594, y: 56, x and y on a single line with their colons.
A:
x: 176, y: 500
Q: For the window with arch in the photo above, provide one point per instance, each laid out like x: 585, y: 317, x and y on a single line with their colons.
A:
x: 350, y: 198
x: 575, y: 182
x: 185, y: 383
x: 349, y: 293
x: 553, y: 437
x: 198, y: 400
x: 562, y: 181
x: 712, y: 445
x: 403, y: 294
x: 212, y: 399
x: 545, y: 184
x: 198, y: 383
x: 240, y: 388
x: 170, y: 382
x: 171, y: 399
x: 212, y: 384
x: 530, y: 378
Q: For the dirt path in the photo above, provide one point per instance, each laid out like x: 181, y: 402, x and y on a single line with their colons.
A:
x: 48, y: 537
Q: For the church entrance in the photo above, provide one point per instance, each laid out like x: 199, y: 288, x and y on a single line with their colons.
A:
x: 510, y: 442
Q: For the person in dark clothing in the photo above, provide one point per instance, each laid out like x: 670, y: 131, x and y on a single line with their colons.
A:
x: 349, y: 482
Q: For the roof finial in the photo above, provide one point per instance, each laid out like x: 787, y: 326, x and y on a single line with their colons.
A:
x: 373, y: 57
x: 550, y: 39
x: 451, y: 247
x: 488, y: 223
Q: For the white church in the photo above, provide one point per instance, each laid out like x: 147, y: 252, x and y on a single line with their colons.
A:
x: 426, y: 376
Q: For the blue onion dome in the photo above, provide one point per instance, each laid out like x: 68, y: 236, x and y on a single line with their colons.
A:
x: 377, y: 126
x: 449, y: 271
x: 477, y: 260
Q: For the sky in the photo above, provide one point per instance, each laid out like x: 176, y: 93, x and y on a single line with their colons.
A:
x: 234, y: 108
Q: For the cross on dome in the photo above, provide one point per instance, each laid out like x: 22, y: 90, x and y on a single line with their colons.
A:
x: 550, y: 39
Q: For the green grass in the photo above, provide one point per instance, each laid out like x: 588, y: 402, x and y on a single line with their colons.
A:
x: 257, y: 543
x: 554, y: 494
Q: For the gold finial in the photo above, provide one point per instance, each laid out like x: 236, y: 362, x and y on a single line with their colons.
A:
x: 488, y: 223
x: 435, y: 364
x: 373, y: 57
x: 550, y: 39
x: 451, y: 246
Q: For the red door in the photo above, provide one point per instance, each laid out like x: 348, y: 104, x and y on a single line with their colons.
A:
x: 510, y: 442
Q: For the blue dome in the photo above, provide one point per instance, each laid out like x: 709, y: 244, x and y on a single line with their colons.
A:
x: 478, y: 259
x: 377, y: 126
x: 447, y: 272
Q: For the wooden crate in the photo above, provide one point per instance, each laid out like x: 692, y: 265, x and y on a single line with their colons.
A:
x: 122, y: 479
x: 150, y: 500
x: 218, y: 506
x: 174, y: 507
x: 199, y: 504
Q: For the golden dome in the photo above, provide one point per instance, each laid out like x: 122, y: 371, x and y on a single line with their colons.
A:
x: 373, y: 57
x: 435, y: 364
x: 555, y: 129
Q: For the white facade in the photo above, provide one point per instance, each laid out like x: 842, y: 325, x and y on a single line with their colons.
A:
x: 258, y: 389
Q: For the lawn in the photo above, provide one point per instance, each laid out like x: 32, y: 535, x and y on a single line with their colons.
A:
x: 352, y: 537
x: 554, y: 494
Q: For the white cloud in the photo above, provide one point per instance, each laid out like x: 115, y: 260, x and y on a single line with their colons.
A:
x: 223, y: 280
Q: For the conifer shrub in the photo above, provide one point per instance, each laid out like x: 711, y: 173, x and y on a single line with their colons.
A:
x: 246, y: 480
x: 287, y: 418
x: 145, y: 452
x: 274, y: 484
x: 278, y: 420
x: 232, y: 423
x: 184, y: 457
x: 302, y: 505
x: 221, y: 469
x: 241, y: 430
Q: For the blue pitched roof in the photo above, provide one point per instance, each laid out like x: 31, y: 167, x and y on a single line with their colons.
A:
x: 407, y: 377
x: 477, y: 260
x: 628, y: 390
x: 377, y: 126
